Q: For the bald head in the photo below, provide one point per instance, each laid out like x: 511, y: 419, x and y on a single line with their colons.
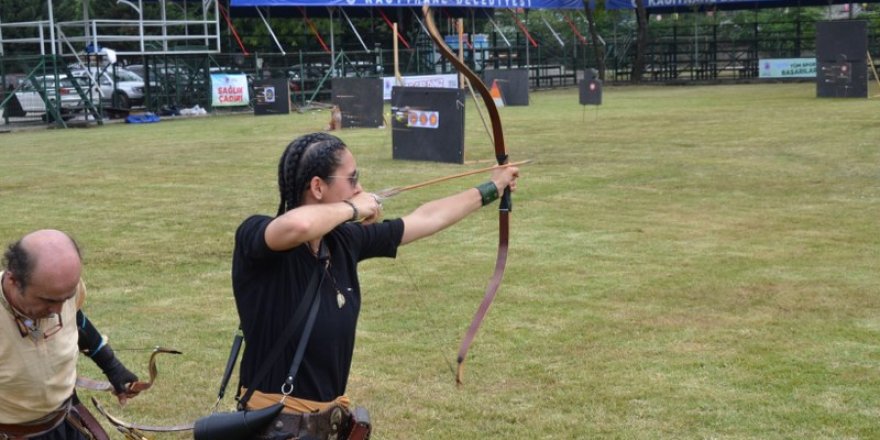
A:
x: 49, y: 255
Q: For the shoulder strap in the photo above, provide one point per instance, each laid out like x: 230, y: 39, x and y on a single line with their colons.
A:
x: 287, y: 388
x: 230, y: 364
x: 311, y: 296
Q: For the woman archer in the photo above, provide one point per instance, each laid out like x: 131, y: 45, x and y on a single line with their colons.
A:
x: 325, y: 225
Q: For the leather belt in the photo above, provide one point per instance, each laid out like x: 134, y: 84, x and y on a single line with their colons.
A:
x: 45, y: 424
x: 333, y: 423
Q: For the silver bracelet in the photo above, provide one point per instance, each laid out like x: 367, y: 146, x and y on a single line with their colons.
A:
x: 354, y: 211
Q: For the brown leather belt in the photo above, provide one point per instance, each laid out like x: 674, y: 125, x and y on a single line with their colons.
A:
x: 13, y: 432
x: 333, y: 423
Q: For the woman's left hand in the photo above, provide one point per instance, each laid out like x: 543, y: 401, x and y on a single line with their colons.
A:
x: 505, y: 178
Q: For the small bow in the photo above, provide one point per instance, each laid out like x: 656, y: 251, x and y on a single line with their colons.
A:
x: 134, y: 387
x: 133, y: 431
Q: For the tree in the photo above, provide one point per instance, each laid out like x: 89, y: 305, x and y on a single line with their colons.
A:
x: 638, y: 67
x: 598, y: 44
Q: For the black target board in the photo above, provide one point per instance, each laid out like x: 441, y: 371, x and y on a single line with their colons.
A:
x: 841, y: 59
x: 360, y: 101
x: 590, y: 91
x: 427, y: 123
x: 271, y: 97
x: 514, y: 84
x: 590, y: 88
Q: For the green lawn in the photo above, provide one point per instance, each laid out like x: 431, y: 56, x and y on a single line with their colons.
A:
x: 685, y: 263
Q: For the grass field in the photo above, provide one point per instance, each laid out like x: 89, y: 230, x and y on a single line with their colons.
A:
x: 685, y: 263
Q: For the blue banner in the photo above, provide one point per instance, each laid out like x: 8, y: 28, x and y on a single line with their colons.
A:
x: 500, y: 4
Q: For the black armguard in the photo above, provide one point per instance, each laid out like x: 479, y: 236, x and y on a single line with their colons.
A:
x: 95, y: 346
x: 116, y: 373
x: 90, y: 340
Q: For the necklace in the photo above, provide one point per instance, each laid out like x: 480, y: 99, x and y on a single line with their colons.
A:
x: 340, y: 298
x: 26, y: 325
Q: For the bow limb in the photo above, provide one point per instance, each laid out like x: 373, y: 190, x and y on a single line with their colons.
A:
x: 133, y: 431
x: 134, y: 387
x: 478, y: 85
x: 505, y: 206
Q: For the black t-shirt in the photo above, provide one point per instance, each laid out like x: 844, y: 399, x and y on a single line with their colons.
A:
x: 268, y: 286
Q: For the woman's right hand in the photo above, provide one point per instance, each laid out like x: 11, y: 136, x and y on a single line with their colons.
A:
x: 369, y: 207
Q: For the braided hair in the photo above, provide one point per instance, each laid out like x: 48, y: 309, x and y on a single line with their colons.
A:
x: 310, y: 155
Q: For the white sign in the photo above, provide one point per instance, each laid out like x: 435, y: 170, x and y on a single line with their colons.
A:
x: 229, y: 90
x: 787, y: 68
x: 447, y: 81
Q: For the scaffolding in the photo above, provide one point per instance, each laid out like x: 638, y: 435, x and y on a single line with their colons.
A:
x: 47, y: 48
x: 152, y: 32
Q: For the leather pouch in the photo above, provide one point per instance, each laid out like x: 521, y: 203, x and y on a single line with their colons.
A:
x: 360, y: 427
x: 237, y: 425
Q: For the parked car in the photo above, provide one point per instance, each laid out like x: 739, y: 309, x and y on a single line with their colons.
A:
x: 31, y: 103
x: 306, y: 77
x: 171, y: 79
x: 159, y: 73
x: 140, y: 70
x: 124, y: 90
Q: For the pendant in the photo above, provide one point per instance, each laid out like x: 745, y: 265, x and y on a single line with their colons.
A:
x: 340, y: 300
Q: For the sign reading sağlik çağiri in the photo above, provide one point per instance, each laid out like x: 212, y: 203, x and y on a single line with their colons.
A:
x: 229, y: 90
x: 787, y: 68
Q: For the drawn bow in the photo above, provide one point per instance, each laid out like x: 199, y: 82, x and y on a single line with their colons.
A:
x: 505, y: 206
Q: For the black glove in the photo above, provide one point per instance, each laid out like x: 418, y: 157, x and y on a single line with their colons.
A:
x: 118, y: 375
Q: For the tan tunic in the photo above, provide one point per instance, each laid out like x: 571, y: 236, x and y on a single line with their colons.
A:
x: 36, y: 374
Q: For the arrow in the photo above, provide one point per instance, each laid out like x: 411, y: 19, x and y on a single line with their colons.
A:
x: 391, y: 192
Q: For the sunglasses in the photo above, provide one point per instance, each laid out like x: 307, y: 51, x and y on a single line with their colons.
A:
x: 353, y: 179
x: 27, y: 326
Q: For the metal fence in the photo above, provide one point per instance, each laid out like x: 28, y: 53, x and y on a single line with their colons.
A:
x: 679, y: 51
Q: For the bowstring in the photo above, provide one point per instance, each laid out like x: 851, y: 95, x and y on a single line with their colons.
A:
x: 416, y: 288
x: 479, y: 110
